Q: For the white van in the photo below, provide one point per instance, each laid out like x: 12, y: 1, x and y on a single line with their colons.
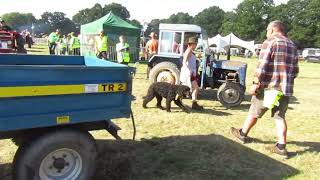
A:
x: 311, y: 54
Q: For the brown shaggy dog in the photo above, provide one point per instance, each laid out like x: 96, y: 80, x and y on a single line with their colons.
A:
x: 169, y: 91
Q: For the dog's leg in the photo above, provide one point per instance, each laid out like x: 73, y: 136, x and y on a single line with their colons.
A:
x: 168, y: 104
x: 179, y: 103
x: 147, y: 99
x: 159, y: 99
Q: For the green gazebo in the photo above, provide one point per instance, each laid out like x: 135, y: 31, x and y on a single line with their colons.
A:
x: 113, y: 26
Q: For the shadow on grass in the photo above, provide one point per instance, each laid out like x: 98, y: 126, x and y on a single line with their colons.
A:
x: 208, y: 94
x: 5, y: 172
x: 242, y: 107
x: 185, y: 157
x: 310, y: 147
x: 294, y: 100
x: 206, y: 110
x: 211, y: 112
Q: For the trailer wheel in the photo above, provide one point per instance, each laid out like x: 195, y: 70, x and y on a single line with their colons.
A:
x: 58, y: 155
x: 230, y: 94
x: 165, y: 72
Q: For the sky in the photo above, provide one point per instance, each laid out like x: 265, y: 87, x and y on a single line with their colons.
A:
x: 142, y: 10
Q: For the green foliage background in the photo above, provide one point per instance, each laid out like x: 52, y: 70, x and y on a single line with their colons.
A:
x: 248, y: 21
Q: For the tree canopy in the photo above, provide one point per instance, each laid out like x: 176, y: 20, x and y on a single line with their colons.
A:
x: 248, y: 21
x: 97, y: 11
x: 57, y: 20
x: 19, y: 21
x: 210, y: 19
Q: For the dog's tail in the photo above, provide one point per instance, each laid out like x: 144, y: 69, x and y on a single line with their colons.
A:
x: 150, y: 91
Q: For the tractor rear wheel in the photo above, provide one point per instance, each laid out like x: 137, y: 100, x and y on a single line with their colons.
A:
x: 165, y: 72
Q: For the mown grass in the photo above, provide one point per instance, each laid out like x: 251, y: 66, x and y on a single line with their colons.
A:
x: 198, y: 145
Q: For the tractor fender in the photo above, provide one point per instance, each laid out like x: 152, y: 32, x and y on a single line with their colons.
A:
x: 156, y: 59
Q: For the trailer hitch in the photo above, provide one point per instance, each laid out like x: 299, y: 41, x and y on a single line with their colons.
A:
x: 113, y: 129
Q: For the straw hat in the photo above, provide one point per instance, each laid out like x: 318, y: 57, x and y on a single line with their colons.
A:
x: 192, y: 40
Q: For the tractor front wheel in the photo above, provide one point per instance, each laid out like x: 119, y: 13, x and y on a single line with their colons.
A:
x: 230, y: 94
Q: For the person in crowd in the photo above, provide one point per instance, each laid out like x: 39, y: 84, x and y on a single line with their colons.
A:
x: 69, y: 49
x: 75, y: 44
x: 52, y: 41
x: 273, y: 82
x: 29, y: 40
x: 63, y: 44
x: 19, y: 43
x: 101, y: 46
x: 151, y: 48
x: 189, y: 72
x: 122, y: 48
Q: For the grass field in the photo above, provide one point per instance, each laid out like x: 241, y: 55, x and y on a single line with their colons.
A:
x: 198, y: 145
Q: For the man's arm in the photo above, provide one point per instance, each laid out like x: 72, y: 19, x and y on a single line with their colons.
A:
x: 296, y: 66
x: 186, y: 56
x: 118, y: 47
x: 147, y: 46
x: 264, y: 59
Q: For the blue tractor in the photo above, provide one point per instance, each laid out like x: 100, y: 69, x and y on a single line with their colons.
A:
x: 225, y: 75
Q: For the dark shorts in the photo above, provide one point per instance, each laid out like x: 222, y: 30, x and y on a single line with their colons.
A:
x: 195, y: 78
x: 102, y: 55
x: 258, y: 110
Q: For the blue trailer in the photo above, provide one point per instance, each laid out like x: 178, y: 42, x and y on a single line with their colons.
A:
x: 49, y: 103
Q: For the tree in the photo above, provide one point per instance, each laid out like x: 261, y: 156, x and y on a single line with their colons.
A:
x: 136, y: 23
x: 228, y: 23
x: 306, y: 23
x: 58, y: 20
x: 180, y: 18
x: 210, y: 19
x: 82, y: 17
x: 252, y: 19
x: 287, y: 12
x: 153, y: 26
x: 88, y: 15
x: 118, y: 10
x: 96, y: 12
x: 19, y: 21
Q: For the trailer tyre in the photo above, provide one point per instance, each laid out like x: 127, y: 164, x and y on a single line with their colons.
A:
x: 165, y: 72
x: 58, y: 155
x: 230, y: 94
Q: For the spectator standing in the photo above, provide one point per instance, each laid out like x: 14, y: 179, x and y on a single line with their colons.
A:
x: 122, y: 48
x: 75, y: 44
x: 29, y: 40
x: 52, y: 41
x: 63, y: 44
x: 189, y: 72
x: 19, y: 43
x: 101, y: 46
x: 151, y: 48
